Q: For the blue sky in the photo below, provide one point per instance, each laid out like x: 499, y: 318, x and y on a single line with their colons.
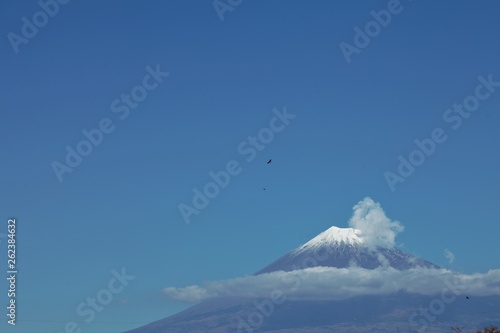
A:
x: 119, y: 208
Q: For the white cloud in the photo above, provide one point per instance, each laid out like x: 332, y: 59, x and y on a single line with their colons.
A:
x: 449, y: 255
x: 190, y: 294
x: 376, y: 228
x: 329, y: 283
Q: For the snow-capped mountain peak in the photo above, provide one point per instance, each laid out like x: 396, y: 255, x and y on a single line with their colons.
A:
x: 334, y: 235
x: 345, y: 247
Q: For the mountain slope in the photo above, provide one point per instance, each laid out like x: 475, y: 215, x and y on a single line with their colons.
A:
x: 389, y: 313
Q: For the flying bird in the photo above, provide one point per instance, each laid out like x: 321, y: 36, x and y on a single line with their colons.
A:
x: 268, y: 162
x: 467, y: 297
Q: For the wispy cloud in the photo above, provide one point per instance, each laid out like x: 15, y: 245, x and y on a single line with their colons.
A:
x: 449, y: 255
x: 329, y: 283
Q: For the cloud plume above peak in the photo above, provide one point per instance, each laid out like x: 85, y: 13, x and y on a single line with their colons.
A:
x: 375, y: 227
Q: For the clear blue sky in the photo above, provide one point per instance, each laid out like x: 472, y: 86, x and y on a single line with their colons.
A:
x: 119, y: 206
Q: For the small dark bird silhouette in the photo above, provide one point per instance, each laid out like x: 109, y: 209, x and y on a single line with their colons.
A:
x: 467, y: 297
x: 264, y: 188
x: 269, y: 162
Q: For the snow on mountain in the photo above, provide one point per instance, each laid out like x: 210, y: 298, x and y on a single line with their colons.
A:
x: 331, y: 236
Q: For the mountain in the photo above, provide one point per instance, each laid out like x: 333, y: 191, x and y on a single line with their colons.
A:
x: 340, y: 248
x: 343, y: 247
